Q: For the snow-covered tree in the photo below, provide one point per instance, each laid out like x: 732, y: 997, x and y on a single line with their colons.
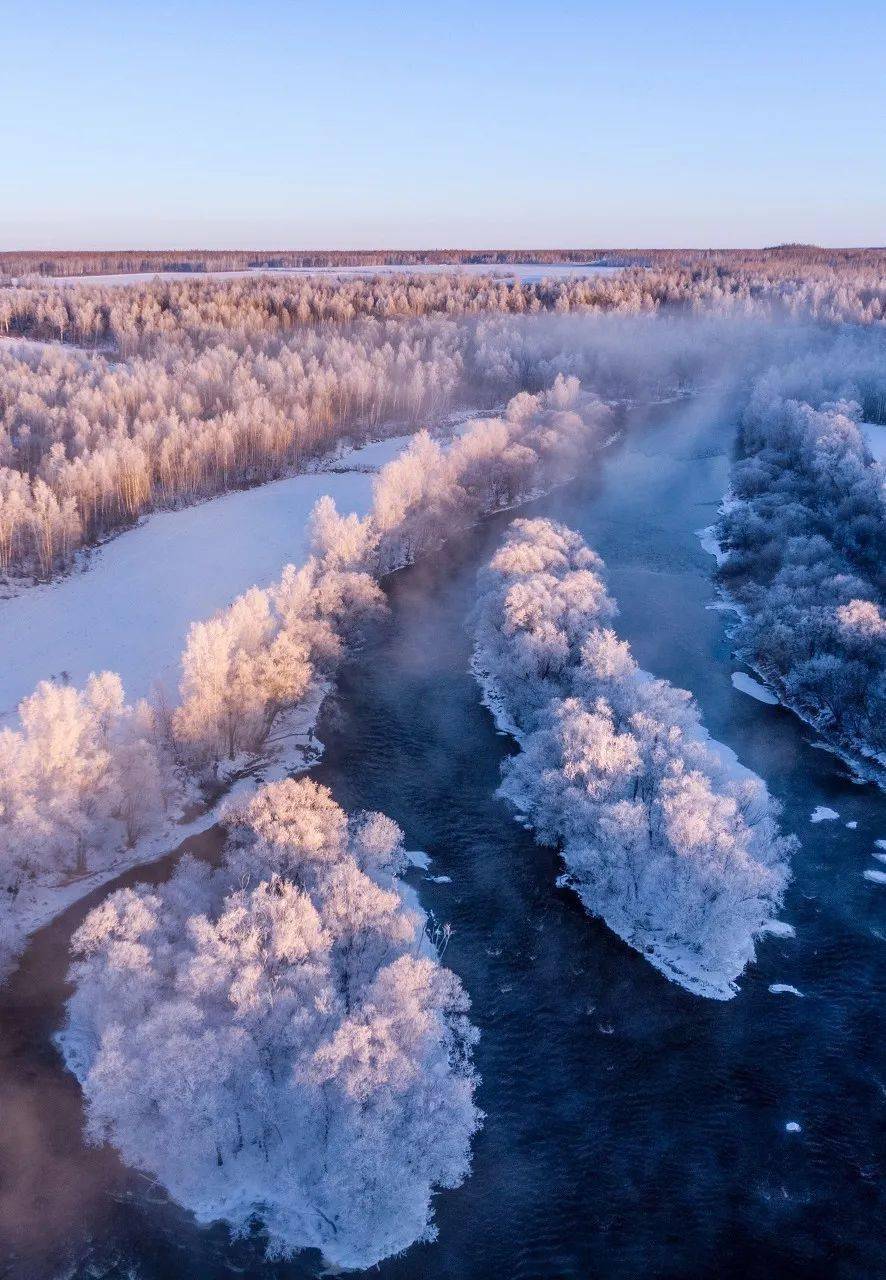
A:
x: 276, y: 1041
x: 804, y: 532
x: 88, y: 774
x: 85, y: 776
x: 677, y: 849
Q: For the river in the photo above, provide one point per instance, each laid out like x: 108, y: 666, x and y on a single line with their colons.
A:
x: 632, y: 1129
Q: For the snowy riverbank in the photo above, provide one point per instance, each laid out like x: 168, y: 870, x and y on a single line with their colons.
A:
x: 130, y: 610
x: 865, y: 764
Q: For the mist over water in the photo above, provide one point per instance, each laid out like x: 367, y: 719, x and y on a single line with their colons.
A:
x: 632, y: 1129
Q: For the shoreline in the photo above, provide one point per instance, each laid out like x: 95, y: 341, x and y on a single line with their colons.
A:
x: 865, y: 765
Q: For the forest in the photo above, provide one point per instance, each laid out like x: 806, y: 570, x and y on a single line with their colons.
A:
x: 119, y: 402
x: 273, y: 1039
x: 86, y: 774
x: 242, y: 381
x: 86, y: 263
x: 804, y: 530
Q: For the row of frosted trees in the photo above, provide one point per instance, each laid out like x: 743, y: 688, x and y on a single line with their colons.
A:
x: 791, y: 257
x: 804, y: 532
x: 211, y: 385
x: 87, y: 445
x: 132, y: 319
x: 86, y: 774
x: 677, y: 853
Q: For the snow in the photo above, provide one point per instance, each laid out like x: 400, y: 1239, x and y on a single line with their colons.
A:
x: 793, y: 1127
x: 130, y: 610
x: 779, y: 929
x: 416, y: 858
x: 881, y: 857
x: 491, y: 697
x: 852, y: 825
x: 747, y: 684
x: 710, y: 544
x: 439, y: 879
x: 822, y: 814
x: 875, y: 877
x: 881, y: 844
x: 875, y: 438
x: 18, y: 344
x: 785, y: 989
x: 732, y: 766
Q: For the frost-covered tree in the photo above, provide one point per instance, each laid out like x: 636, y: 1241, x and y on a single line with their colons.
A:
x: 276, y: 1041
x: 88, y: 775
x: 804, y: 531
x: 167, y: 392
x: 85, y: 776
x: 421, y: 497
x: 674, y: 847
x: 248, y: 665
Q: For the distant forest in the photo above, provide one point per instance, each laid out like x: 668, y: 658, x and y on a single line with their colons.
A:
x: 85, y: 262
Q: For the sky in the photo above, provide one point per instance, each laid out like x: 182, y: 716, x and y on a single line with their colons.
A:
x: 356, y: 125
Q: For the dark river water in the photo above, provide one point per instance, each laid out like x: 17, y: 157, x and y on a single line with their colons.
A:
x: 631, y: 1129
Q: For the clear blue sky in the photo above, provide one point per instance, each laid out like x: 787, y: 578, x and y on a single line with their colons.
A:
x: 279, y: 123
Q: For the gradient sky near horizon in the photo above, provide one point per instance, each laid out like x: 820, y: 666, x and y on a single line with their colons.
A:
x: 275, y: 124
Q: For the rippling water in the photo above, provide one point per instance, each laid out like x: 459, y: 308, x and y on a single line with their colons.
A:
x: 632, y: 1129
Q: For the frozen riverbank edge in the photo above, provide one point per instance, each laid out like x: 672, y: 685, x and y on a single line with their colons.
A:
x: 864, y: 764
x: 676, y: 962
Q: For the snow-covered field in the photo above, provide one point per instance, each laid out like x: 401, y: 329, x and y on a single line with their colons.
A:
x: 130, y: 609
x: 527, y: 271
